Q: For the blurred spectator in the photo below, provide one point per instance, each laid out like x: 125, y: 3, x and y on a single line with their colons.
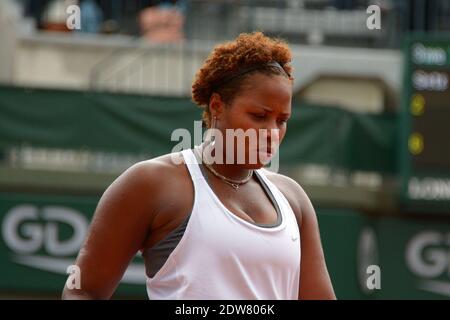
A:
x: 91, y: 16
x: 54, y: 16
x: 35, y: 9
x: 162, y: 24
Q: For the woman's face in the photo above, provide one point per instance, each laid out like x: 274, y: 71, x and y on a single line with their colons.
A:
x: 261, y: 109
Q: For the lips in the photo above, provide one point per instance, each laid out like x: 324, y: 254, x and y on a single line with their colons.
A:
x: 268, y: 151
x: 265, y: 155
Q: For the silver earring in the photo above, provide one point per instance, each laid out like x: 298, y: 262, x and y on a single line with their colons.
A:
x: 211, y: 139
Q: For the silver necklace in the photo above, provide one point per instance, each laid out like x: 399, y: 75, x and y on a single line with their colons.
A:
x: 234, y: 183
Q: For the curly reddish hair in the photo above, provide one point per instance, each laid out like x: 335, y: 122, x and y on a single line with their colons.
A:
x: 247, y: 50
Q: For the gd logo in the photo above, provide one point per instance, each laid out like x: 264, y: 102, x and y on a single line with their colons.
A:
x: 27, y: 229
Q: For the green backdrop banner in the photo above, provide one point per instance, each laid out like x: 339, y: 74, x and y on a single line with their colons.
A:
x: 412, y: 255
x: 143, y: 125
x: 41, y: 235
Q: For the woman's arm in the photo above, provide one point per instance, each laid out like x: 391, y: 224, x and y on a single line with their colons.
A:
x: 315, y: 282
x: 118, y: 229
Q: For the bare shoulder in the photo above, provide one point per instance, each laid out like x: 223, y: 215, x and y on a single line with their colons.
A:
x: 152, y: 181
x: 167, y: 173
x: 170, y: 163
x: 151, y: 173
x: 293, y: 191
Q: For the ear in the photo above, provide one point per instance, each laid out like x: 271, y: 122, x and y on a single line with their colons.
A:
x: 216, y: 105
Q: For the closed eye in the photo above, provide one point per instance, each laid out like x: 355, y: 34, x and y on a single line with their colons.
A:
x: 258, y: 116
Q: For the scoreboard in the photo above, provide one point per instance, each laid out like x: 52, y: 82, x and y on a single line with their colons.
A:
x: 425, y: 124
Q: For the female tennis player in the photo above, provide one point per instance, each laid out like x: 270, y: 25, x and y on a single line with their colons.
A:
x: 220, y: 229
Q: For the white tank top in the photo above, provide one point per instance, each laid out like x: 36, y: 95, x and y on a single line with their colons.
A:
x: 222, y: 256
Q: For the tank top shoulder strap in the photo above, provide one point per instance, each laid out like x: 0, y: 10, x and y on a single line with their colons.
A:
x: 262, y: 174
x: 279, y: 196
x: 192, y: 164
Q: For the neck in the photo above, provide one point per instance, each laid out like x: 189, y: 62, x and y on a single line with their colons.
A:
x: 231, y: 171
